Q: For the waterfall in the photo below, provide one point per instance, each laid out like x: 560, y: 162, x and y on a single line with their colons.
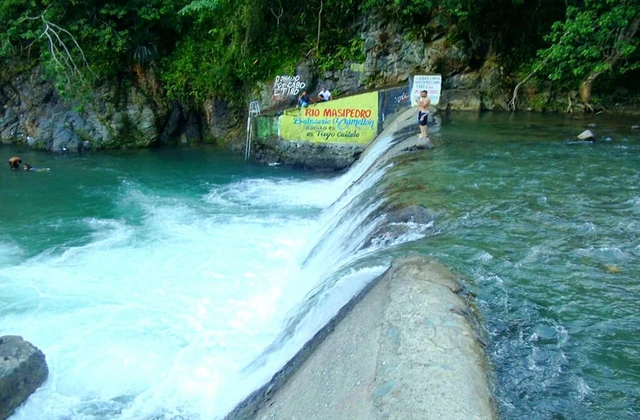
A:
x: 337, y: 254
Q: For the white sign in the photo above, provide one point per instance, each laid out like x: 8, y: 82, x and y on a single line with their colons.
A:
x: 431, y: 83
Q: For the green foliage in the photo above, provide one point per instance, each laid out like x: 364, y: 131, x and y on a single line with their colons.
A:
x: 221, y: 48
x: 509, y: 29
x: 354, y: 51
x: 597, y: 37
x: 198, y: 7
x: 112, y: 35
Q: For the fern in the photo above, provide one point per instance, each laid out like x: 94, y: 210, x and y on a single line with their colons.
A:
x: 199, y: 6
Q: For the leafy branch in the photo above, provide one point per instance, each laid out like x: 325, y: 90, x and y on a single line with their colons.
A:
x: 60, y: 50
x: 594, y: 38
x: 513, y: 103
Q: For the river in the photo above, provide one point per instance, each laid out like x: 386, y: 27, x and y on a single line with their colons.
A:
x: 170, y: 283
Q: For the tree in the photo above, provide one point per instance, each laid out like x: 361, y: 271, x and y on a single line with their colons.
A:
x: 61, y: 43
x: 597, y: 37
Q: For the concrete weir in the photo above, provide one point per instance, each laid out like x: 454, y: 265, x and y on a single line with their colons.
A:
x: 405, y: 348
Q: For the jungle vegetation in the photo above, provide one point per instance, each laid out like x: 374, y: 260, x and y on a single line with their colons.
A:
x: 203, y: 48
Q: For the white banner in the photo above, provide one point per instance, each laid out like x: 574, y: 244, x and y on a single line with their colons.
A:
x: 431, y: 83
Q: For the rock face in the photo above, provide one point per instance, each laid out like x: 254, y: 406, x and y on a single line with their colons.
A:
x: 22, y: 370
x: 391, y: 59
x: 117, y: 115
x: 318, y: 156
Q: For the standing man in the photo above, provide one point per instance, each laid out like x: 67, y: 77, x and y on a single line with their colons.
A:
x: 14, y: 162
x: 324, y: 95
x: 423, y: 112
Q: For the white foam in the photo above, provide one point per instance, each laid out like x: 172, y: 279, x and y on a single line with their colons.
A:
x: 282, y: 193
x: 484, y: 256
x: 179, y: 307
x: 154, y: 311
x: 9, y: 252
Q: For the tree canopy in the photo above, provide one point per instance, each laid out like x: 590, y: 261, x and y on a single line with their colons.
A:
x: 204, y: 48
x: 596, y: 36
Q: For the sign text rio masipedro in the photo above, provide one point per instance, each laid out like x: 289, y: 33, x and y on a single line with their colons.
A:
x: 347, y: 120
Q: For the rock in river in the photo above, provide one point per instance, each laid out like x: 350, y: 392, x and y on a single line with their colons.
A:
x: 22, y: 370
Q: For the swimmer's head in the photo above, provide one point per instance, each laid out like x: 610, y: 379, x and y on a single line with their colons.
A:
x: 26, y: 167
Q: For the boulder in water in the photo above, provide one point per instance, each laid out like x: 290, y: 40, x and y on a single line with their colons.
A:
x: 22, y: 370
x: 410, y: 213
x: 587, y: 135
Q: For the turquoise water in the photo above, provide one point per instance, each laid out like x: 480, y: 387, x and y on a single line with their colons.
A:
x: 157, y: 281
x: 153, y: 280
x: 546, y: 231
x: 44, y: 209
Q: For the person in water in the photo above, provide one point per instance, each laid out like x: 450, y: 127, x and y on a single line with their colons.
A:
x: 14, y: 162
x: 423, y: 112
x: 28, y: 167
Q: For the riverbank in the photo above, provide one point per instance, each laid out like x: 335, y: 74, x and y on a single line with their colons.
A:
x: 406, y: 347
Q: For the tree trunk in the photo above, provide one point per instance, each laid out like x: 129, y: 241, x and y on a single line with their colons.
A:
x: 319, y: 28
x: 585, y: 87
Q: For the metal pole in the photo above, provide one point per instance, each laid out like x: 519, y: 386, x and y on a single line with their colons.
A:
x: 247, y: 146
x: 254, y: 109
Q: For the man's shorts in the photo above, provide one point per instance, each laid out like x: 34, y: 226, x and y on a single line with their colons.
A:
x: 423, y: 117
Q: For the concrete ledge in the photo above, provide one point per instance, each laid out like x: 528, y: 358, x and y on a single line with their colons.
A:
x: 308, y: 155
x: 406, y: 350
